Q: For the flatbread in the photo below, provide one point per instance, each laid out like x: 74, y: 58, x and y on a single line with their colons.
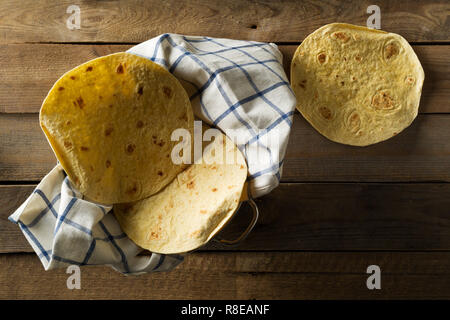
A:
x: 355, y: 85
x: 109, y: 122
x: 193, y: 208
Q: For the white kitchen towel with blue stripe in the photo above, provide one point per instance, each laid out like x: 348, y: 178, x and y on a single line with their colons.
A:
x: 233, y: 85
x: 64, y: 229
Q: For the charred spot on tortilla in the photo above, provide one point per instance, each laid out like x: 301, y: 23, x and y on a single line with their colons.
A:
x: 120, y: 69
x: 321, y: 57
x: 191, y: 185
x: 130, y: 148
x: 108, y: 131
x: 132, y: 189
x: 382, y: 100
x: 325, y: 112
x: 342, y: 36
x: 391, y: 50
x: 80, y: 102
x: 167, y: 91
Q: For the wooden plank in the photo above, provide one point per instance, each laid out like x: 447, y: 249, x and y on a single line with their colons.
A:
x: 11, y: 197
x: 29, y: 71
x: 35, y: 158
x: 246, y: 275
x: 341, y: 216
x: 286, y: 20
x: 419, y: 153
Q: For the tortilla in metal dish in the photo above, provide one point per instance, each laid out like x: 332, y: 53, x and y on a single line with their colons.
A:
x: 193, y: 207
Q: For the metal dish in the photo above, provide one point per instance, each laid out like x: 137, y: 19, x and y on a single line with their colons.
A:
x: 249, y: 228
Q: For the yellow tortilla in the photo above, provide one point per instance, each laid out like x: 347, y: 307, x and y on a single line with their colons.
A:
x: 192, y: 208
x: 109, y: 122
x: 355, y: 85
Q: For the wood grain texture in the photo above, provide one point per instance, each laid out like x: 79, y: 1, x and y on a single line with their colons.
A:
x: 36, y: 158
x: 11, y: 197
x: 29, y: 71
x: 419, y: 153
x: 315, y: 239
x: 246, y: 275
x: 339, y: 216
x: 284, y: 21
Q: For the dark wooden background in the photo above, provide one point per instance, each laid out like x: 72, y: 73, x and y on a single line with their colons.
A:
x: 338, y: 209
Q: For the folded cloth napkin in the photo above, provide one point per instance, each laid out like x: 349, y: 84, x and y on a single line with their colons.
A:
x: 233, y: 85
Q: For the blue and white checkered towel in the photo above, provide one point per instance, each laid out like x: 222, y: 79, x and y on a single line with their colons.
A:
x: 232, y: 84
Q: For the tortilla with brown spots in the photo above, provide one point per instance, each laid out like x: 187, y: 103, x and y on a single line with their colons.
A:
x: 193, y: 207
x: 109, y: 122
x: 355, y: 85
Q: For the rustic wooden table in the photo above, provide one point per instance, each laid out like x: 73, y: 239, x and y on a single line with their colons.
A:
x: 338, y: 209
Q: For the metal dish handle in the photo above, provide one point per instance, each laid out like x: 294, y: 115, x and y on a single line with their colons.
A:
x: 249, y: 227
